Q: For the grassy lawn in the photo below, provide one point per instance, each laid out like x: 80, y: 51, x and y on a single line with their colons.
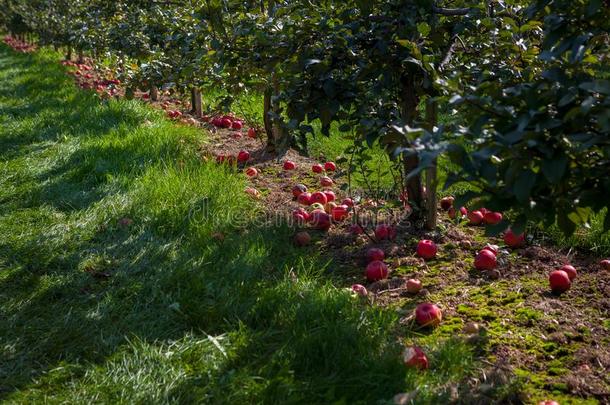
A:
x: 115, y: 286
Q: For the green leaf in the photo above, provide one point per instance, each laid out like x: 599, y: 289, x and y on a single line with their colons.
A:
x: 554, y: 169
x: 523, y: 185
x: 423, y: 28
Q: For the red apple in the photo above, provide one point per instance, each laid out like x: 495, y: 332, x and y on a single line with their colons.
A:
x: 492, y: 218
x: 320, y: 220
x: 226, y: 123
x: 374, y: 254
x: 492, y: 248
x: 446, y: 203
x: 359, y: 289
x: 252, y: 133
x: 237, y: 125
x: 329, y: 207
x: 340, y: 212
x: 414, y: 286
x: 317, y: 168
x: 512, y: 240
x: 302, y: 239
x: 485, y: 260
x: 356, y: 229
x: 605, y: 264
x: 415, y: 357
x: 330, y: 196
x: 376, y: 271
x: 427, y: 314
x: 318, y: 197
x: 330, y: 166
x: 289, y: 165
x: 304, y: 199
x: 300, y: 215
x: 426, y: 249
x: 383, y: 231
x: 559, y: 281
x: 299, y: 189
x: 251, y: 172
x: 326, y: 181
x: 548, y: 402
x: 475, y: 217
x: 348, y: 201
x: 252, y: 192
x: 243, y: 156
x: 570, y: 270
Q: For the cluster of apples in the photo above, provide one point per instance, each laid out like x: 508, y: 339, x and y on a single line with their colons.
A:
x: 227, y: 122
x: 18, y: 45
x: 324, y: 208
x: 481, y: 216
x: 561, y: 279
x: 426, y: 315
x: 174, y: 114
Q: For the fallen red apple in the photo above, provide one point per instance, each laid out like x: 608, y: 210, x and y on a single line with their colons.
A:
x: 485, y: 260
x: 446, y: 203
x: 326, y: 181
x: 226, y: 123
x: 348, y: 201
x: 492, y: 218
x: 605, y: 264
x: 548, y: 402
x: 237, y: 125
x: 300, y: 215
x: 299, y: 189
x: 319, y: 220
x: 251, y: 172
x: 289, y: 165
x: 356, y: 229
x: 329, y: 207
x: 330, y: 196
x: 570, y: 270
x: 383, y: 231
x: 360, y: 290
x: 317, y: 168
x: 302, y: 238
x: 559, y: 281
x: 512, y: 240
x: 252, y: 133
x: 414, y: 286
x: 330, y: 166
x: 376, y: 271
x: 374, y: 254
x: 475, y: 217
x: 318, y: 197
x: 304, y: 199
x: 415, y: 357
x: 243, y: 156
x: 252, y: 192
x: 428, y: 314
x: 492, y: 248
x: 426, y: 249
x: 340, y: 212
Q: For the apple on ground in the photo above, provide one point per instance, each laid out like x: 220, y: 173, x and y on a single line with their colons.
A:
x: 446, y: 203
x: 359, y: 290
x: 330, y: 195
x: 492, y: 248
x: 348, y: 201
x: 318, y: 197
x: 243, y: 156
x: 329, y: 207
x: 320, y: 220
x: 251, y: 172
x: 559, y: 281
x: 384, y: 231
x: 374, y: 254
x: 570, y: 270
x: 304, y: 198
x: 415, y: 357
x: 340, y: 212
x: 317, y: 168
x: 252, y: 192
x: 317, y: 206
x: 426, y: 249
x: 605, y: 264
x: 299, y: 189
x: 492, y: 218
x: 226, y: 123
x: 414, y: 286
x: 237, y: 125
x: 485, y: 260
x: 326, y: 181
x: 302, y: 238
x: 330, y: 166
x: 252, y: 133
x: 289, y: 165
x: 300, y: 215
x: 356, y: 229
x: 512, y: 240
x: 475, y: 217
x: 428, y: 314
x: 548, y: 402
x: 376, y: 270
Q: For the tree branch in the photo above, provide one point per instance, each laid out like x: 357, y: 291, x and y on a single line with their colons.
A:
x: 451, y: 11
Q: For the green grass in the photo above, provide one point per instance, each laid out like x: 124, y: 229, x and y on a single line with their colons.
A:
x: 162, y: 311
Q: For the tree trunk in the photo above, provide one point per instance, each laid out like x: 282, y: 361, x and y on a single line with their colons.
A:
x: 196, y: 102
x: 154, y: 93
x: 413, y: 185
x: 69, y: 54
x: 81, y: 57
x: 431, y: 172
x: 278, y: 139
